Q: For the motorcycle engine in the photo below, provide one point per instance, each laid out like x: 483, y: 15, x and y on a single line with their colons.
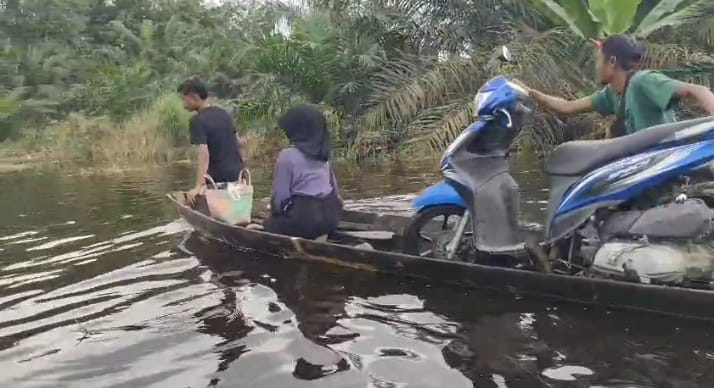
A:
x: 665, y: 244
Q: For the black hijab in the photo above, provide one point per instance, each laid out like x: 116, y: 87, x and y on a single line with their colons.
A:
x: 306, y: 127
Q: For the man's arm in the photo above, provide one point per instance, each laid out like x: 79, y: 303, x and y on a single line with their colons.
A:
x: 562, y: 106
x: 202, y: 169
x: 701, y: 94
x: 198, y: 139
x: 239, y: 140
x: 662, y: 90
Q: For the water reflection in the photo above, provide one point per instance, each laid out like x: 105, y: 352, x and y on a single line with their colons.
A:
x: 394, y: 332
x: 310, y: 322
x: 102, y: 286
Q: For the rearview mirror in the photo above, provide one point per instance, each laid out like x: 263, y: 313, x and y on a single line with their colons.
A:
x: 505, y: 54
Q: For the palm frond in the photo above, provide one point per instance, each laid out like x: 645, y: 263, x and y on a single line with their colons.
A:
x: 705, y: 33
x: 403, y: 89
x: 432, y: 131
x: 668, y: 13
x: 660, y: 11
x: 554, y: 61
x: 680, y: 62
x: 576, y: 16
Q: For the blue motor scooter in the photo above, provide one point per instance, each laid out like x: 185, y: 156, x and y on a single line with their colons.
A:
x: 614, y: 204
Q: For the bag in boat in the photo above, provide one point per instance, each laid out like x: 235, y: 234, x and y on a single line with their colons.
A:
x: 692, y: 219
x: 232, y: 204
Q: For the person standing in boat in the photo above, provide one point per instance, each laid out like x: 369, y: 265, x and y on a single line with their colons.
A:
x: 214, y: 136
x: 305, y: 201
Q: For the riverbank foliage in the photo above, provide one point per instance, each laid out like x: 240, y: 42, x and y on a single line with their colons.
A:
x: 95, y: 80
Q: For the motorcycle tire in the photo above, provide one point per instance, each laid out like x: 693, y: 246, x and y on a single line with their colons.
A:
x: 411, y: 232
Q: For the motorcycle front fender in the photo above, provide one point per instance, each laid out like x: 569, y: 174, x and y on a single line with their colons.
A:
x: 441, y: 193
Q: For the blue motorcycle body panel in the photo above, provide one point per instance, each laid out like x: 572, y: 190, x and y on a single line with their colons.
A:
x: 497, y: 93
x: 442, y: 193
x: 439, y: 194
x: 629, y: 177
x: 622, y: 181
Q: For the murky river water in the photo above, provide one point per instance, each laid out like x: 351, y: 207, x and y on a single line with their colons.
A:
x: 101, y: 285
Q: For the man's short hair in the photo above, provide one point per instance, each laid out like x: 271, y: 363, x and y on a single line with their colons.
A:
x: 626, y: 51
x: 194, y: 85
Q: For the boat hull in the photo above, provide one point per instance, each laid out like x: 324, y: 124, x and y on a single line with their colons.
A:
x: 684, y: 302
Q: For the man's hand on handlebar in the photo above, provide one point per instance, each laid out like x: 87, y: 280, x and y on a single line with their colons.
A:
x: 521, y: 84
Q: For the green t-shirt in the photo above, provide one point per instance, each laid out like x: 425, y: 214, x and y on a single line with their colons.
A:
x: 648, y: 100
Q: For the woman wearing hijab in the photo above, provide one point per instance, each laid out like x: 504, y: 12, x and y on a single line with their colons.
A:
x: 304, y: 201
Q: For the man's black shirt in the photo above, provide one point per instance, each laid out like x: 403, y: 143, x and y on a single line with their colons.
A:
x: 214, y: 127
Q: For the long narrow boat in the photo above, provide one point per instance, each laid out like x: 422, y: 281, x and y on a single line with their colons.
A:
x: 358, y: 226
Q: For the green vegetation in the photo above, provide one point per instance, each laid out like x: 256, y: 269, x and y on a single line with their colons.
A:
x: 598, y: 18
x: 94, y: 81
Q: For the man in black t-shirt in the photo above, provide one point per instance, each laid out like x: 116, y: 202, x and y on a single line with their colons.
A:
x: 214, y: 135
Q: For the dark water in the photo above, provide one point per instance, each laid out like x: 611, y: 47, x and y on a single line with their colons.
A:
x: 102, y: 286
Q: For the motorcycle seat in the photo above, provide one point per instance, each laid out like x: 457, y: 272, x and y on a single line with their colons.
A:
x: 575, y: 158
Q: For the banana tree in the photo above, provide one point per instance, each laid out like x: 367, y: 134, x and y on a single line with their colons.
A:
x: 594, y: 19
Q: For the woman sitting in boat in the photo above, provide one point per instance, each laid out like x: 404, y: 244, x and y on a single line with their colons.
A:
x: 305, y: 201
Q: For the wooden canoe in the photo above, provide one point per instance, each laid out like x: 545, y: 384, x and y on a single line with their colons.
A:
x: 675, y: 301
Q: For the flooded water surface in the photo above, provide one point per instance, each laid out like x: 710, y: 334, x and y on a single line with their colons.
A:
x: 102, y: 285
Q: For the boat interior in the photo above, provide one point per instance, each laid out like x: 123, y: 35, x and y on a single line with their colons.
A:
x: 357, y: 229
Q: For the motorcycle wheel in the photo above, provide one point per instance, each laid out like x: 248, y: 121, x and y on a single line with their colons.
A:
x: 418, y: 243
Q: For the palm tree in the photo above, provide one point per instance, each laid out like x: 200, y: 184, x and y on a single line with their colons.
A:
x: 427, y: 101
x: 421, y: 99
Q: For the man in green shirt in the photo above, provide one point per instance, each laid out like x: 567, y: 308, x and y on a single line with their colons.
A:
x: 649, y: 96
